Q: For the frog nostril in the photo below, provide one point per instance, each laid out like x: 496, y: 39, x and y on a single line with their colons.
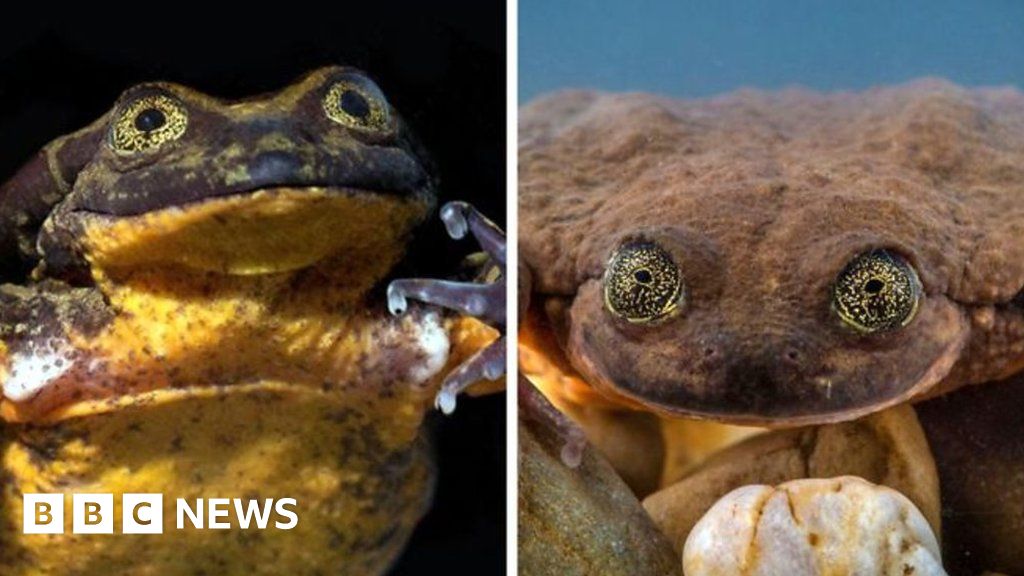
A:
x: 793, y: 356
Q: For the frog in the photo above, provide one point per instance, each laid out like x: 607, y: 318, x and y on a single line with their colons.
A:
x: 779, y: 259
x: 194, y: 306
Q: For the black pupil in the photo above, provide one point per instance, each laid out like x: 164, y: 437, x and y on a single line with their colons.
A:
x: 642, y: 276
x: 874, y: 286
x: 150, y: 119
x: 354, y: 104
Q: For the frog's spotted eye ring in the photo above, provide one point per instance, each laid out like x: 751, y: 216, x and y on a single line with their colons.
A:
x: 877, y: 292
x: 642, y: 284
x: 148, y: 122
x: 356, y: 105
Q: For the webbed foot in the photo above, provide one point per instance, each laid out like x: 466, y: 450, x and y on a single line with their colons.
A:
x: 482, y: 300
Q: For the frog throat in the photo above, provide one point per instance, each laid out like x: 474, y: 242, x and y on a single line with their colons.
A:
x: 187, y: 309
x: 262, y: 232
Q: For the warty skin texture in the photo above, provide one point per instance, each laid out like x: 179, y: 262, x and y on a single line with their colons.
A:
x: 762, y: 199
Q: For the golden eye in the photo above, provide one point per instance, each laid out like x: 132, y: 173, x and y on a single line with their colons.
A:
x: 642, y: 283
x: 877, y: 292
x: 147, y: 123
x: 356, y: 105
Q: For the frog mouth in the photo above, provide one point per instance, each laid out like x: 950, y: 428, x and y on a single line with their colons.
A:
x: 263, y: 231
x: 745, y: 407
x: 752, y: 379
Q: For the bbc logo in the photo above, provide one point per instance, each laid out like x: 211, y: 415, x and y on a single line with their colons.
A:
x: 93, y: 513
x: 144, y: 513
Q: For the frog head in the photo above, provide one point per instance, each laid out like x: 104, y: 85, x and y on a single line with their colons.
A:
x: 324, y: 169
x: 776, y: 259
x: 735, y: 322
x: 179, y: 228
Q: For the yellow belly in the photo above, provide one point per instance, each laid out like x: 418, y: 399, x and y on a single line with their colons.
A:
x: 360, y: 487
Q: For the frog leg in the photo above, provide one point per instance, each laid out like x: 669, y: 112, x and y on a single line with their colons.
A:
x: 39, y: 325
x: 29, y: 196
x: 569, y: 491
x: 485, y: 301
x: 487, y: 364
x: 534, y: 407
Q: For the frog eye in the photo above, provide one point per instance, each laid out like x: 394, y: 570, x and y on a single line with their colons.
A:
x: 356, y: 105
x: 642, y: 283
x: 876, y: 292
x: 147, y: 123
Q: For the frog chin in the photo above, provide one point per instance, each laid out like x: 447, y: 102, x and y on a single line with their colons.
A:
x: 265, y: 231
x: 781, y: 415
x: 825, y: 405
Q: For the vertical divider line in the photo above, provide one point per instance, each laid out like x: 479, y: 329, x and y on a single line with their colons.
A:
x: 512, y: 271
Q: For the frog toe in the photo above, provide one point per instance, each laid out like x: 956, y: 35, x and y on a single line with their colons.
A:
x: 483, y: 301
x: 460, y: 217
x: 538, y: 410
x: 487, y: 364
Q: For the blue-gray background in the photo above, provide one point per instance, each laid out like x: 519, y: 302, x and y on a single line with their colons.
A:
x: 699, y: 48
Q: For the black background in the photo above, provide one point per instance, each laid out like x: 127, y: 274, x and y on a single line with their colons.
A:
x: 442, y: 65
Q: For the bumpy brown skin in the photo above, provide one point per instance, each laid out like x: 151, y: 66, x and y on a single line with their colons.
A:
x: 762, y: 199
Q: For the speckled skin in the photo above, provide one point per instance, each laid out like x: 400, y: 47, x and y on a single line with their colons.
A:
x: 762, y: 199
x: 210, y: 302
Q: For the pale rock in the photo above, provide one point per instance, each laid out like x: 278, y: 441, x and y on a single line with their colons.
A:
x: 843, y: 525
